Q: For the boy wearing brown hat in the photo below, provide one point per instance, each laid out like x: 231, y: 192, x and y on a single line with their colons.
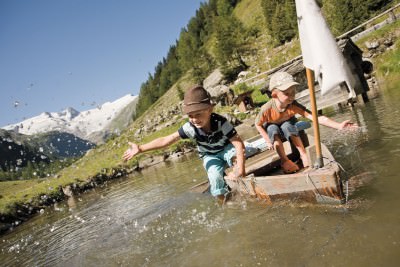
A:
x: 217, y: 140
x: 277, y: 119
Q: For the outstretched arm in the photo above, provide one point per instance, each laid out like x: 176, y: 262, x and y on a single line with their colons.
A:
x: 323, y: 120
x: 239, y: 147
x: 161, y: 142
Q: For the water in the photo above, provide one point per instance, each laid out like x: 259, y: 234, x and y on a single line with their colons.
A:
x: 152, y: 219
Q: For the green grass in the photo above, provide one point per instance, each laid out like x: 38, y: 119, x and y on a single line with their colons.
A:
x: 28, y: 191
x: 388, y: 67
x: 258, y: 98
x: 384, y: 31
x: 108, y: 156
x: 286, y: 53
x: 250, y: 14
x: 390, y: 62
x: 97, y: 161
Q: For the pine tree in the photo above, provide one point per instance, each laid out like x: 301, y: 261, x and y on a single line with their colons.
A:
x: 230, y: 35
x: 343, y: 15
x: 281, y: 20
x: 269, y: 7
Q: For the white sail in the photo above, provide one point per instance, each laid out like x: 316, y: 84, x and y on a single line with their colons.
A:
x: 320, y: 50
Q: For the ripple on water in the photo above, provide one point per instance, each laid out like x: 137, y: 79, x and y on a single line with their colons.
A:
x: 150, y: 219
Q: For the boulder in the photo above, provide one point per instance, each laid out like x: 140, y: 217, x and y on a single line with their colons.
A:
x: 372, y: 45
x: 217, y: 91
x: 213, y: 79
x: 243, y: 74
x: 221, y: 94
x: 232, y: 119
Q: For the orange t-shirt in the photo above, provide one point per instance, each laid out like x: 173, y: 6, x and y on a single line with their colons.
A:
x: 270, y: 114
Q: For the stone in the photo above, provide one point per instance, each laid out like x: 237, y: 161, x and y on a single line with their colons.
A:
x: 213, y: 79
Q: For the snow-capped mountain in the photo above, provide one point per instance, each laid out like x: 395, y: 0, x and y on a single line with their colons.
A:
x: 93, y: 125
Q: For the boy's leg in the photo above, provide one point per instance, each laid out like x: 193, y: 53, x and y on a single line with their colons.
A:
x: 291, y: 133
x: 229, y: 156
x: 215, y: 167
x: 303, y: 154
x: 289, y: 130
x: 274, y: 134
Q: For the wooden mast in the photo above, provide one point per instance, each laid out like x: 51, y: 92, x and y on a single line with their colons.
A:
x: 319, y: 163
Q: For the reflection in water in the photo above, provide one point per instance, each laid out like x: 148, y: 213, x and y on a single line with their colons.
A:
x: 151, y: 218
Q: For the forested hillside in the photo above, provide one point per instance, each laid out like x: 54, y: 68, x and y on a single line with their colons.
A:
x: 27, y: 157
x: 223, y: 34
x: 231, y: 35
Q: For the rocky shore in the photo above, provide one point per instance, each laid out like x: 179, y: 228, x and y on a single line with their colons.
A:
x: 21, y: 212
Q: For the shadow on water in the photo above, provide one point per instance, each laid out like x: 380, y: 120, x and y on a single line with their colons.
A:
x: 151, y: 218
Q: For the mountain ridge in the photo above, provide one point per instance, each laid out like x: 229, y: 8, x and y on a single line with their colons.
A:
x: 92, y: 125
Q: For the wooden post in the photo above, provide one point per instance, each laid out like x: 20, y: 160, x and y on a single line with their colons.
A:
x: 310, y: 80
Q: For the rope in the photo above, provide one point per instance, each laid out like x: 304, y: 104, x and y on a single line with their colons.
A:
x: 240, y: 179
x: 316, y: 189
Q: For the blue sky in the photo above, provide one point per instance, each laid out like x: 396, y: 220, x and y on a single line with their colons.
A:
x: 56, y: 54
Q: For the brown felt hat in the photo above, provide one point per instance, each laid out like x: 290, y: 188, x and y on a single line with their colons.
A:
x: 196, y: 98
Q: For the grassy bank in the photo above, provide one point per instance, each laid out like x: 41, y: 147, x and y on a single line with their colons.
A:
x: 105, y: 161
x: 100, y: 163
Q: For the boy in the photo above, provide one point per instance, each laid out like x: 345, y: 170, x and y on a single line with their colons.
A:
x: 277, y: 118
x: 217, y: 140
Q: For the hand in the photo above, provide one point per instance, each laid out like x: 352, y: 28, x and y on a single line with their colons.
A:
x: 270, y: 146
x: 131, y: 152
x: 232, y: 176
x: 347, y: 124
x: 235, y: 173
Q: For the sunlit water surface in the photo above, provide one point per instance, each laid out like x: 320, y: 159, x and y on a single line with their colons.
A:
x: 152, y: 218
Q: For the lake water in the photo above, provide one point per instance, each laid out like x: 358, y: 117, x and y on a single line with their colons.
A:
x: 152, y: 218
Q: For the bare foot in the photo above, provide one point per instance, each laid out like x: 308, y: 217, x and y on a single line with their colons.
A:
x: 223, y: 199
x: 305, y: 162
